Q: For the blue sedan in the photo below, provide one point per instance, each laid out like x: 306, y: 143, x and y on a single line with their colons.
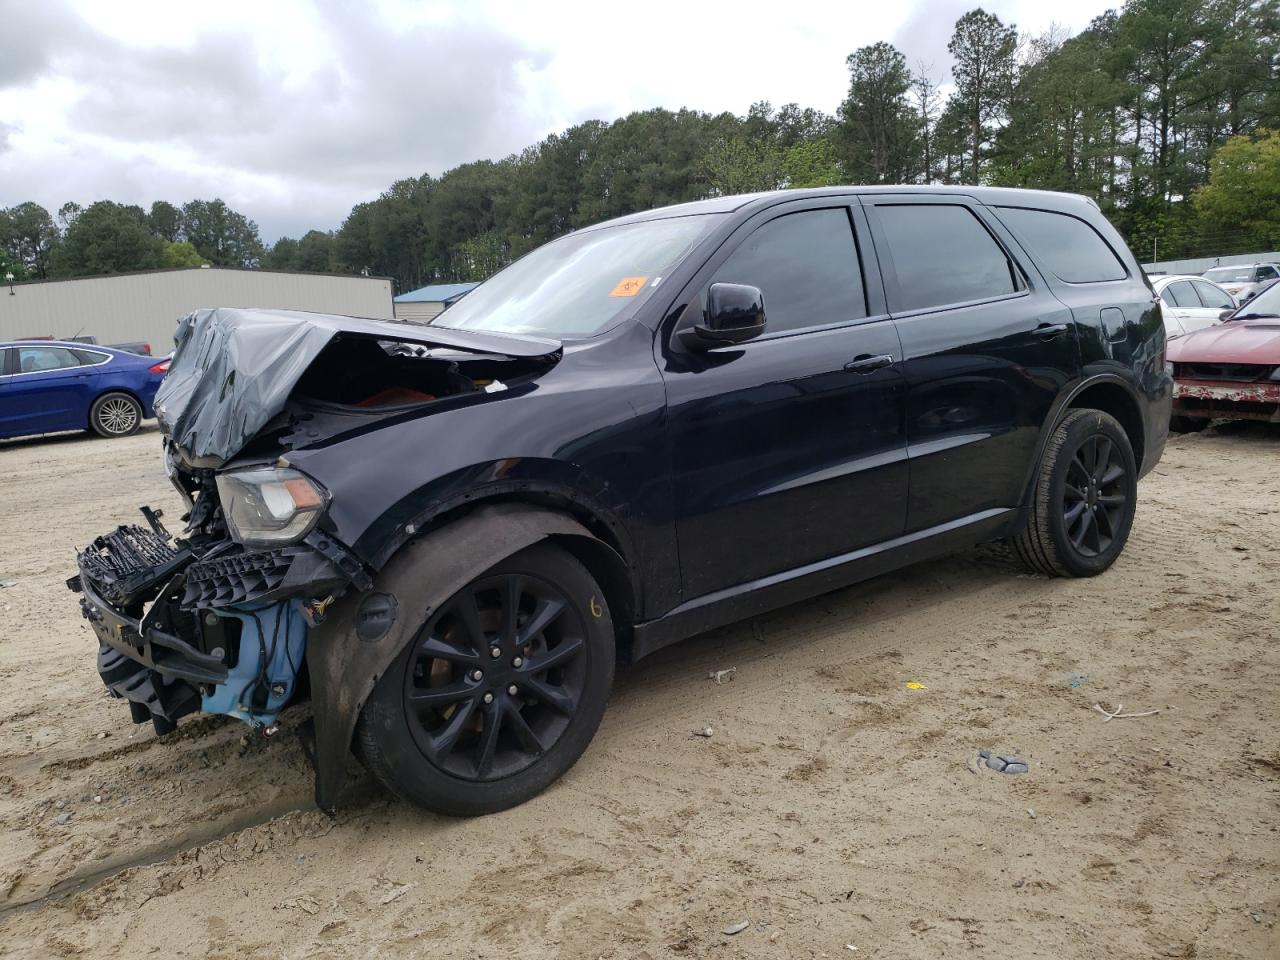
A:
x: 50, y: 385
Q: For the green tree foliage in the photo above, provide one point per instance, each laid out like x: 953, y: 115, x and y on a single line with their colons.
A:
x: 28, y: 238
x: 877, y: 134
x: 222, y: 236
x: 1243, y: 191
x: 165, y: 221
x: 180, y: 253
x: 984, y: 49
x: 107, y: 238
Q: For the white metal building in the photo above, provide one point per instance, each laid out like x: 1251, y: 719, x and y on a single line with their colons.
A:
x: 425, y: 302
x: 145, y: 306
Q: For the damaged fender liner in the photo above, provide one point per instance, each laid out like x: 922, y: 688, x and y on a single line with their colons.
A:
x: 346, y: 657
x: 233, y: 370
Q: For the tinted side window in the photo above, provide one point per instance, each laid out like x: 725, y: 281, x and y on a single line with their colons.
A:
x: 1212, y: 297
x: 1183, y: 294
x: 943, y: 254
x: 1072, y: 249
x: 806, y: 264
x: 37, y: 359
x: 6, y: 358
x: 1267, y: 273
x: 91, y: 357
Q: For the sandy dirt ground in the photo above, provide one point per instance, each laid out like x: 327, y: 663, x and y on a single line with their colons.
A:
x: 833, y: 807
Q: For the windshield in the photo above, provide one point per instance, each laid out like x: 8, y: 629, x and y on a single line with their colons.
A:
x: 1267, y: 302
x: 1229, y: 274
x: 578, y: 285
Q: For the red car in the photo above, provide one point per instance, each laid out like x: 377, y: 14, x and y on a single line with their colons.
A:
x: 1230, y: 370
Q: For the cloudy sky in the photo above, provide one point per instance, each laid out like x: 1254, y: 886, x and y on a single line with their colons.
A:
x: 293, y: 111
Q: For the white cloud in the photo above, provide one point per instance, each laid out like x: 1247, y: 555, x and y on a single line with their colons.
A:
x: 292, y: 111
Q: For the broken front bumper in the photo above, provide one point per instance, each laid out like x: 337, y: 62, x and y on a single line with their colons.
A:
x: 1207, y: 399
x: 221, y: 630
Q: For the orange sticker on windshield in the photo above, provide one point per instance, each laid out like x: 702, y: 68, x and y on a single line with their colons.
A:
x: 628, y: 287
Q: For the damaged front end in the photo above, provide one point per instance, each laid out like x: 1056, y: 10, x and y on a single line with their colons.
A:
x: 218, y: 618
x: 206, y: 623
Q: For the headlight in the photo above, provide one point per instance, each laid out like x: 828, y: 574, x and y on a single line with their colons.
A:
x: 270, y: 505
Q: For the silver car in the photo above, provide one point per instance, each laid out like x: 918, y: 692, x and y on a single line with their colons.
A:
x: 1243, y: 280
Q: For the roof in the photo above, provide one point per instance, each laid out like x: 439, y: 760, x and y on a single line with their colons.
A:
x: 436, y: 293
x: 1048, y: 199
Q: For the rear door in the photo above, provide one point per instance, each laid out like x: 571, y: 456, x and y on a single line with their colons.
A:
x: 987, y: 349
x: 1213, y: 300
x: 789, y: 449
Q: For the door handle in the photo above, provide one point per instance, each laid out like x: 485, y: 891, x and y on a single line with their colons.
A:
x: 866, y: 363
x: 1047, y: 331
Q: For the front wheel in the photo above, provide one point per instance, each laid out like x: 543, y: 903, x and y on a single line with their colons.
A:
x: 500, y: 691
x: 115, y: 415
x: 1084, y: 498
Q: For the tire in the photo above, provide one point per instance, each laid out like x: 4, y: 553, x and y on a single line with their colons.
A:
x: 425, y: 731
x: 115, y: 415
x: 1179, y: 424
x: 1077, y: 528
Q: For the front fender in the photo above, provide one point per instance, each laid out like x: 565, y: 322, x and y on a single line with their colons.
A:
x: 366, y: 630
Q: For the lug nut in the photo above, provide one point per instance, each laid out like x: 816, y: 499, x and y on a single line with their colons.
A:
x: 488, y: 698
x: 477, y: 674
x: 495, y: 652
x: 513, y: 689
x: 518, y: 662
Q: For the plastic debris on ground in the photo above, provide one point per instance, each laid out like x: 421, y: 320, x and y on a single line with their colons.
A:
x: 1004, y: 764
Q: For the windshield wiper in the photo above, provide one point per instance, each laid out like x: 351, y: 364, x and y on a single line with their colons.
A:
x: 1257, y: 316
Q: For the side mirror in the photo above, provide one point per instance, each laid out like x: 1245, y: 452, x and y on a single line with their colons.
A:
x: 1225, y: 315
x: 734, y: 314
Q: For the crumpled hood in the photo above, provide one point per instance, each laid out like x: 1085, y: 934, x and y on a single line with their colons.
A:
x: 233, y: 369
x: 1236, y: 341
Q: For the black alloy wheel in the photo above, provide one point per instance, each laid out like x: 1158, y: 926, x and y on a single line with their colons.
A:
x: 496, y: 676
x: 499, y: 692
x: 1084, y: 498
x: 1094, y: 495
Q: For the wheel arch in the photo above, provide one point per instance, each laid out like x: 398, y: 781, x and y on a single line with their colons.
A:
x: 1113, y: 396
x: 1106, y: 392
x: 345, y: 661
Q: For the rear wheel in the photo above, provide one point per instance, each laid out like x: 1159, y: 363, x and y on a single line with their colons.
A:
x: 1084, y: 499
x: 500, y: 691
x: 115, y: 415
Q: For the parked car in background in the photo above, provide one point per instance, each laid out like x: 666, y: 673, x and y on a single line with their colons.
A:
x: 1190, y: 303
x: 1243, y: 281
x: 458, y: 543
x: 1231, y: 371
x: 52, y: 385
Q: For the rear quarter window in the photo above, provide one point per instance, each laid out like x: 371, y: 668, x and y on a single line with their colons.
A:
x: 1072, y: 249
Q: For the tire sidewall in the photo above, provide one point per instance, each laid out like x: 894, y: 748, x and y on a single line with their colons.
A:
x: 95, y: 412
x: 396, y: 758
x: 1078, y: 431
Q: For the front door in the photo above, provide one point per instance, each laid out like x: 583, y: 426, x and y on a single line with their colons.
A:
x: 788, y: 449
x: 987, y: 349
x: 46, y: 391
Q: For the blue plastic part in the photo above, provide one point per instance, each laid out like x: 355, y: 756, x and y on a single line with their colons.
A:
x: 276, y: 633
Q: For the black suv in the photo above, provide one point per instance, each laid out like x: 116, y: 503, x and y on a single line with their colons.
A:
x: 445, y: 536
